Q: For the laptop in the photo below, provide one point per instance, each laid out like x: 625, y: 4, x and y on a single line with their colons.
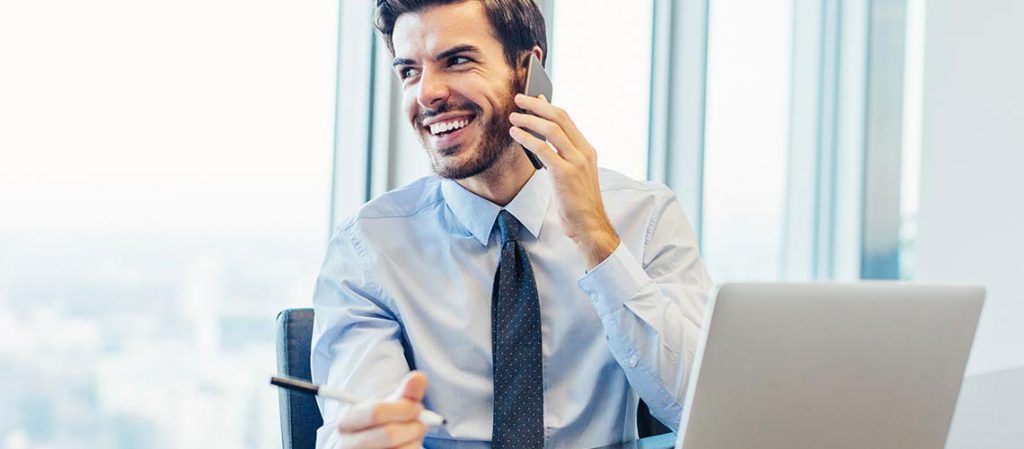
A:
x: 839, y: 366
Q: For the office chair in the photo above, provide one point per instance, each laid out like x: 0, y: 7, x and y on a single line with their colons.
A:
x: 300, y: 416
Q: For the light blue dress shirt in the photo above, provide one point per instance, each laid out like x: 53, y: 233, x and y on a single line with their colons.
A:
x: 407, y: 281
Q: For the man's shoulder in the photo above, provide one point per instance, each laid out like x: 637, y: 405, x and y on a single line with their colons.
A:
x: 613, y: 181
x: 402, y: 203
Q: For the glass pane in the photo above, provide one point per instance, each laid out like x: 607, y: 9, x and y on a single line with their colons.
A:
x: 603, y: 78
x: 911, y: 161
x: 746, y: 144
x: 164, y: 189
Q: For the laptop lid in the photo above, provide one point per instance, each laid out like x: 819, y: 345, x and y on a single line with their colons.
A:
x: 867, y: 365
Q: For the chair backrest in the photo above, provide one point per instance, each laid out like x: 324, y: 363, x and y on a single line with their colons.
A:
x: 300, y: 416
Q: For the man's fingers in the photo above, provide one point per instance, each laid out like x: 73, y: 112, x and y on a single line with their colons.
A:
x: 402, y: 405
x: 386, y: 436
x: 370, y: 414
x: 413, y: 387
x: 539, y: 147
x: 543, y: 109
x: 550, y: 130
x: 414, y: 444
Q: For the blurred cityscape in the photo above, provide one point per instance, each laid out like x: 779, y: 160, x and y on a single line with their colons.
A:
x: 145, y: 341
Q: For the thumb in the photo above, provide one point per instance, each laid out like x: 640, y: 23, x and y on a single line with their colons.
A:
x: 413, y: 387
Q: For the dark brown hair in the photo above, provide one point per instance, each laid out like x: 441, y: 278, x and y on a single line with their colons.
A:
x: 518, y: 23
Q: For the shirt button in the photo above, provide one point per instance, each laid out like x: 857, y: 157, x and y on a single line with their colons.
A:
x: 632, y: 362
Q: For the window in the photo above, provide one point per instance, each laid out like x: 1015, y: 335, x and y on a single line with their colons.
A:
x: 165, y: 191
x: 749, y: 59
x: 911, y: 163
x: 602, y: 78
x: 803, y: 148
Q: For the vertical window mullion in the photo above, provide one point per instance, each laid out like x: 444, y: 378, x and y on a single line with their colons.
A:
x: 678, y: 91
x: 353, y: 122
x: 883, y: 140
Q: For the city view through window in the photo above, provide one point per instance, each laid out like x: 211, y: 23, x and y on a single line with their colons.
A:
x: 165, y: 180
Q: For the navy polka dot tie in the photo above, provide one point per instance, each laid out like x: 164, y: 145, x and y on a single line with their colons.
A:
x: 515, y: 331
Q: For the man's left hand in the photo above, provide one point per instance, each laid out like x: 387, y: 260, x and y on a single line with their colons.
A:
x: 573, y: 169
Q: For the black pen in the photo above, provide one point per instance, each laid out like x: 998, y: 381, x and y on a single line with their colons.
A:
x: 426, y: 416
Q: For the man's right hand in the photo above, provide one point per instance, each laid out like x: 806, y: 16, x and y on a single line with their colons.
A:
x: 390, y: 423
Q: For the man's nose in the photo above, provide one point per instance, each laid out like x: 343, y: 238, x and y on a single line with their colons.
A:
x: 433, y: 90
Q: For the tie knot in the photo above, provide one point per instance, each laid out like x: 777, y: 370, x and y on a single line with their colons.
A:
x: 508, y: 227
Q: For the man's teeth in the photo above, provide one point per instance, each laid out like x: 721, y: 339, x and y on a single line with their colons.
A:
x: 438, y: 128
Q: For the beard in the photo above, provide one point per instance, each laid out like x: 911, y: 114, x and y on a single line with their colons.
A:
x: 494, y: 142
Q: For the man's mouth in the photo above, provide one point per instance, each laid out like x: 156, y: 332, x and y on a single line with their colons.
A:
x: 448, y: 133
x: 446, y: 127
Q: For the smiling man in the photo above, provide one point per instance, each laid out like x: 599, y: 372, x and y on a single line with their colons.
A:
x: 531, y: 308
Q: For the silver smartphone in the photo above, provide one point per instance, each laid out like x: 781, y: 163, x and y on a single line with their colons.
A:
x: 537, y: 83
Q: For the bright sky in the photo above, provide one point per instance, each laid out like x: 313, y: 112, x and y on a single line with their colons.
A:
x: 163, y: 119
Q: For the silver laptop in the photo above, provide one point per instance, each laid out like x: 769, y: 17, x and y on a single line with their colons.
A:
x: 867, y: 365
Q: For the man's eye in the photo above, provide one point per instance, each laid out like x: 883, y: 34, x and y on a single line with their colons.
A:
x: 457, y: 60
x: 408, y: 72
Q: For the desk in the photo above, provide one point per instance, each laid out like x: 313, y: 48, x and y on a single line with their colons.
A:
x: 666, y: 441
x: 989, y: 415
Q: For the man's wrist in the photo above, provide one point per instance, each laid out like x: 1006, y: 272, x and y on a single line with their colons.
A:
x: 597, y: 245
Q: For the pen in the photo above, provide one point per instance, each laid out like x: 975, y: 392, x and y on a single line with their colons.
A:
x: 426, y: 416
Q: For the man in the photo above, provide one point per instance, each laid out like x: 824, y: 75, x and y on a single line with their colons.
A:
x: 540, y: 304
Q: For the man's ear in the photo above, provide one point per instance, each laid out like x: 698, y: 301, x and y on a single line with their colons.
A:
x: 537, y: 51
x: 524, y: 62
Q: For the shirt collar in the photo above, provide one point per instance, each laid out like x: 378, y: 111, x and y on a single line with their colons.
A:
x: 477, y: 214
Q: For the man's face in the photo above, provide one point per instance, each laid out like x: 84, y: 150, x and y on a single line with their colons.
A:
x: 458, y: 87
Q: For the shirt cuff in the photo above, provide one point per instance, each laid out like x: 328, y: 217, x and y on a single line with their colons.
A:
x: 614, y: 281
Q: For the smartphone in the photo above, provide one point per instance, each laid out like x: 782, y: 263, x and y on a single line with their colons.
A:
x: 537, y: 83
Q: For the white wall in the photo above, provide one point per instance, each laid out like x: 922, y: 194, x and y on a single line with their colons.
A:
x: 971, y: 222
